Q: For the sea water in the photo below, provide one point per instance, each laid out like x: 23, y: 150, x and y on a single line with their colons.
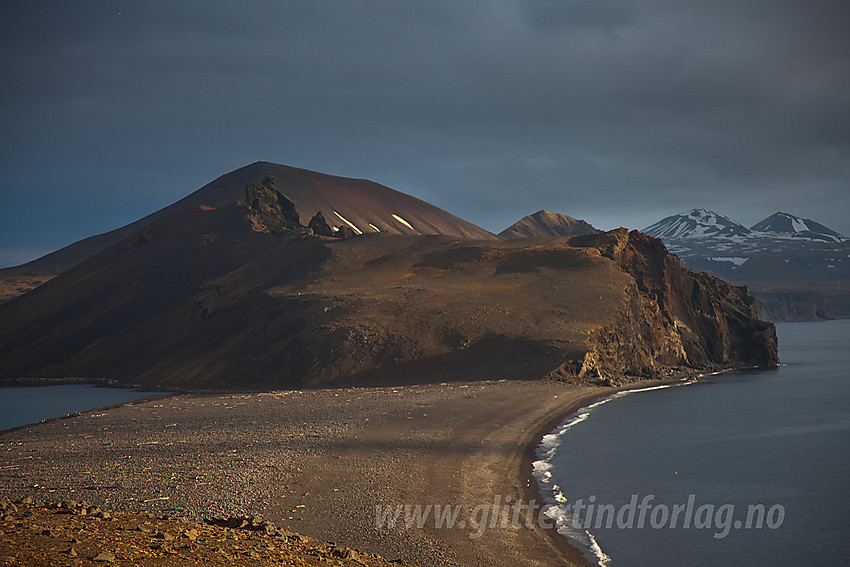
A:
x: 31, y: 404
x: 757, y: 462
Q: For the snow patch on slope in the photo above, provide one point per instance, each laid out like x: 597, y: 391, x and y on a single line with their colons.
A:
x: 798, y: 225
x: 402, y: 221
x: 349, y: 223
x: 737, y: 260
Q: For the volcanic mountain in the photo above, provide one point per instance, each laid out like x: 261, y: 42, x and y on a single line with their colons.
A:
x: 353, y: 204
x: 241, y: 294
x: 788, y: 224
x: 697, y: 223
x: 545, y: 223
x: 799, y: 269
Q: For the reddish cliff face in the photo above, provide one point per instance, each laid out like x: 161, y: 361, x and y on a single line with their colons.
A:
x: 673, y: 318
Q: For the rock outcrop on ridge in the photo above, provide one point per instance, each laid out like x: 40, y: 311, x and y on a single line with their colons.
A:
x: 244, y: 296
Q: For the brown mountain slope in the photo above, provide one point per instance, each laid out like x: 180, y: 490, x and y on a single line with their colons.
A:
x: 200, y: 299
x: 358, y: 204
x: 545, y: 223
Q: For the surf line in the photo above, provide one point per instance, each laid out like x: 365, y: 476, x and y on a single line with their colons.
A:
x: 552, y: 494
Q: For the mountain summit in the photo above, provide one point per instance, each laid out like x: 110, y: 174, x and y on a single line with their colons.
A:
x: 546, y: 223
x: 356, y: 205
x: 788, y: 224
x: 359, y: 204
x: 697, y: 223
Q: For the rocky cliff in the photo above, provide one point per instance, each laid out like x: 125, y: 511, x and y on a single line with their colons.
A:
x: 792, y: 306
x: 672, y: 318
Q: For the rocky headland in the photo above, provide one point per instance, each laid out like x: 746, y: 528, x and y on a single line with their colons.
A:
x: 246, y: 296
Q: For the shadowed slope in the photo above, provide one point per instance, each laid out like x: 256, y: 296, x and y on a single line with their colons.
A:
x: 199, y: 301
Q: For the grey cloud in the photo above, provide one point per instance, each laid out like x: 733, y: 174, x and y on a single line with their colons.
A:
x: 609, y: 110
x: 571, y: 15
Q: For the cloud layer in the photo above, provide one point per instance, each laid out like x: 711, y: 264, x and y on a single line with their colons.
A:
x: 619, y: 112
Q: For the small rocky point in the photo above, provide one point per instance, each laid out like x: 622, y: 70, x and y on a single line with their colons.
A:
x: 37, y: 533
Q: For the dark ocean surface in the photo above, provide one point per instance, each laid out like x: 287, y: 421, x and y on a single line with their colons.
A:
x: 31, y: 404
x: 775, y: 440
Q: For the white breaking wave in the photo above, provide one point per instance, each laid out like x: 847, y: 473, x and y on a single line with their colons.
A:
x: 553, y: 495
x: 602, y: 558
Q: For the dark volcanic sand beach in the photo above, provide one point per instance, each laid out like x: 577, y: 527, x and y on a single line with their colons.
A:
x: 314, y: 462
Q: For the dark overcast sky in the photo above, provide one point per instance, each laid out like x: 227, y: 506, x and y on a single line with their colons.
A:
x: 618, y: 112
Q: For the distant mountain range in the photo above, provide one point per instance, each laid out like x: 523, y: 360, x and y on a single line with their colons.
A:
x: 703, y: 223
x: 698, y: 223
x: 798, y: 268
x: 784, y: 223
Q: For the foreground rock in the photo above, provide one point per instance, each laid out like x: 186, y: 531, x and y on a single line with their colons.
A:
x: 36, y: 533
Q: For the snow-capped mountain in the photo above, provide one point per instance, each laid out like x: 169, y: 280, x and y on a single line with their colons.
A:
x: 788, y: 224
x: 698, y: 223
x: 798, y: 268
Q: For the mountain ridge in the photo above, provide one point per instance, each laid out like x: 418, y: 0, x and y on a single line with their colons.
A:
x: 786, y: 223
x: 697, y: 223
x: 705, y: 223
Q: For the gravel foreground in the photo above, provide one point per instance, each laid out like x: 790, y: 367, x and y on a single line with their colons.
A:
x: 54, y: 534
x: 314, y: 462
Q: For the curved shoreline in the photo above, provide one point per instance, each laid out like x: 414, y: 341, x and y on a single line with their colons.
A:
x: 533, y: 488
x: 315, y: 462
x: 533, y: 491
